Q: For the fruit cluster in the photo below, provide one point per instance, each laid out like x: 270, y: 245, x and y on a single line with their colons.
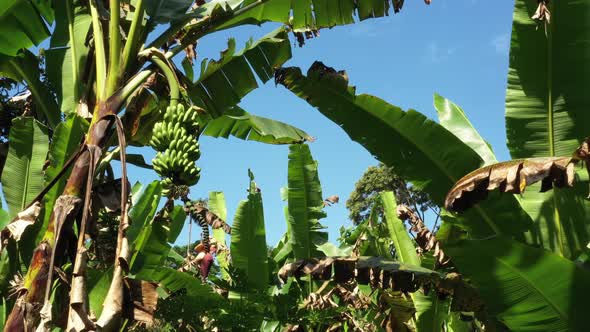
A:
x: 175, y: 139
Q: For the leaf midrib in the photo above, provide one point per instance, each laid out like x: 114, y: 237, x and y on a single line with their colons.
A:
x: 509, y: 267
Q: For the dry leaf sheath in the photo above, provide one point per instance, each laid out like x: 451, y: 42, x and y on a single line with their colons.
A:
x: 510, y: 177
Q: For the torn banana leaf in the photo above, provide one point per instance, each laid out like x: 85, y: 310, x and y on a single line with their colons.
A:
x: 510, y: 177
x: 386, y: 274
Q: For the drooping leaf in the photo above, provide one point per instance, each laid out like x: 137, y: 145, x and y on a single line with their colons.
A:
x: 248, y: 240
x: 305, y: 203
x: 223, y: 83
x: 453, y: 118
x: 23, y: 24
x: 546, y: 109
x: 25, y: 67
x: 386, y: 274
x: 243, y: 125
x: 66, y: 140
x: 425, y: 153
x: 22, y: 177
x: 312, y: 14
x: 510, y: 177
x: 217, y: 206
x: 526, y: 288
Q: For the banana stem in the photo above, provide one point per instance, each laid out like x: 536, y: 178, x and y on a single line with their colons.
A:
x: 131, y: 45
x: 166, y: 69
x: 99, y: 51
x: 73, y: 49
x: 114, y: 47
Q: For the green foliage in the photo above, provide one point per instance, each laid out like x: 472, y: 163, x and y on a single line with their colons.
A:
x: 426, y: 154
x: 307, y: 14
x: 223, y: 83
x: 526, y: 288
x: 66, y: 58
x: 22, y: 177
x: 546, y: 109
x: 405, y: 248
x: 25, y: 67
x: 382, y: 178
x: 217, y: 206
x: 238, y: 123
x: 23, y: 24
x: 305, y: 203
x: 248, y: 241
x: 453, y: 118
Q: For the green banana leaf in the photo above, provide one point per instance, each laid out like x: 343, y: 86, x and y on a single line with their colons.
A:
x: 144, y: 209
x: 164, y: 11
x: 526, y: 288
x: 431, y: 312
x: 248, y: 239
x: 65, y: 141
x: 200, y: 295
x: 217, y: 206
x: 25, y: 67
x: 98, y: 283
x: 453, y: 118
x: 23, y: 24
x: 66, y: 58
x: 305, y: 203
x: 404, y: 246
x: 547, y: 112
x: 22, y: 177
x: 422, y: 151
x: 223, y: 83
x: 243, y: 125
x: 310, y: 14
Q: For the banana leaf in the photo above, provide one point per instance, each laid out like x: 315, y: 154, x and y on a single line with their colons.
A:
x: 248, y: 239
x: 420, y: 150
x: 22, y: 177
x: 547, y: 112
x: 526, y: 288
x: 305, y: 203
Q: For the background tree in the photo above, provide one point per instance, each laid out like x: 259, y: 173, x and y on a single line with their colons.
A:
x: 377, y: 179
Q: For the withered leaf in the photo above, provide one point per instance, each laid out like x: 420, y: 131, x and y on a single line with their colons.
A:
x: 334, y: 199
x: 23, y: 220
x: 542, y: 13
x: 374, y: 271
x: 424, y: 237
x: 510, y: 177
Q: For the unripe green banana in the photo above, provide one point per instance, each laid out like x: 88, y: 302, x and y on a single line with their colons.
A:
x: 175, y: 139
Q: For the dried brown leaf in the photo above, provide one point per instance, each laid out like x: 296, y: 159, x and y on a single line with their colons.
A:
x: 542, y: 13
x: 424, y: 237
x: 510, y: 177
x: 23, y: 220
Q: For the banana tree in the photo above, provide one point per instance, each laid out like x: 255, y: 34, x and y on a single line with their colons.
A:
x: 93, y: 96
x: 434, y: 157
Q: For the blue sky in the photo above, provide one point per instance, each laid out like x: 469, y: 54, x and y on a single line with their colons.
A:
x: 458, y: 49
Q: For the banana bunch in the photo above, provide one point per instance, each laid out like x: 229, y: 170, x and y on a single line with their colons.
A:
x: 175, y: 139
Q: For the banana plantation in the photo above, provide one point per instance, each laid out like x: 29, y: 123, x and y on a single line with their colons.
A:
x: 443, y: 236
